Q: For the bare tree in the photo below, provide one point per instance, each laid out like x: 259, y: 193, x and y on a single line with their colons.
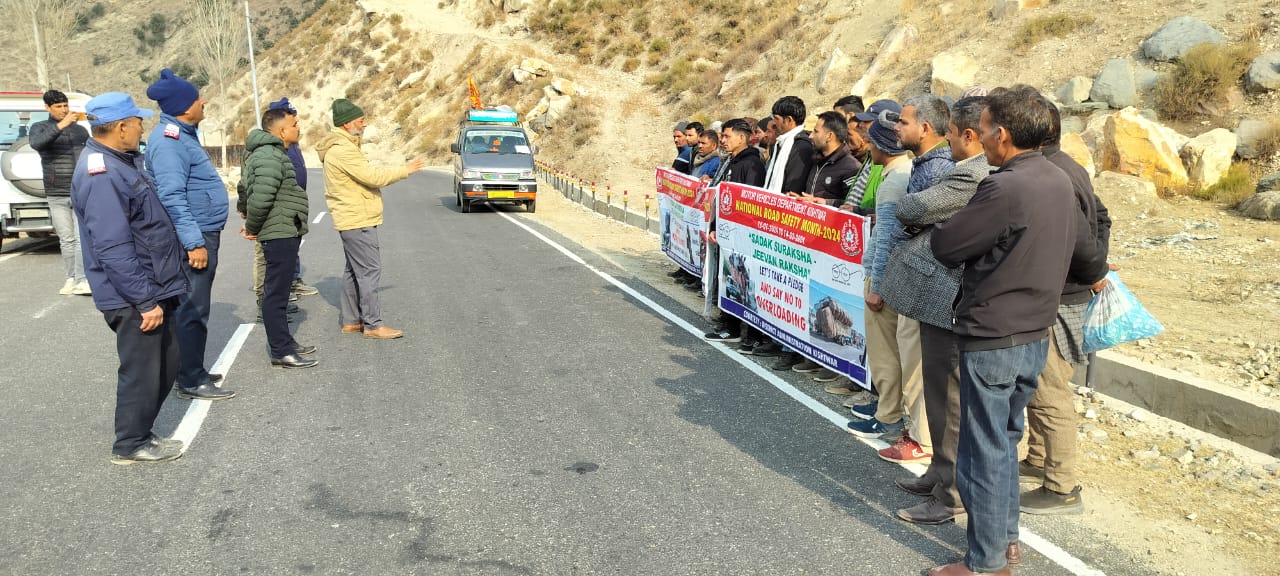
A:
x: 214, y: 25
x: 45, y: 25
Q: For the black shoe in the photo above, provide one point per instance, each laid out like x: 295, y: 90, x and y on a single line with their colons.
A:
x: 748, y: 344
x: 786, y: 361
x: 1029, y: 473
x: 304, y: 350
x: 1045, y: 501
x: 293, y: 297
x: 678, y: 273
x: 148, y: 453
x: 205, y: 392
x: 215, y: 379
x: 723, y: 335
x: 767, y: 348
x: 293, y: 361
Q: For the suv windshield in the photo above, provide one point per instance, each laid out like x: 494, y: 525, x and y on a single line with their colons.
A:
x: 14, y: 125
x: 495, y: 141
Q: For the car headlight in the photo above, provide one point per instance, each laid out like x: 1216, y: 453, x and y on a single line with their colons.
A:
x: 468, y: 174
x: 526, y: 174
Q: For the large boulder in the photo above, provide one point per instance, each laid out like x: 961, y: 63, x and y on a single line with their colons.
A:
x: 953, y: 72
x: 835, y: 72
x: 1115, y: 189
x: 510, y: 6
x: 1264, y: 73
x: 1208, y: 156
x: 1269, y: 184
x: 1262, y: 206
x: 1251, y: 134
x: 1139, y: 147
x: 1006, y: 8
x: 1094, y: 130
x: 1075, y: 91
x: 1075, y: 147
x: 1115, y: 84
x: 1177, y: 36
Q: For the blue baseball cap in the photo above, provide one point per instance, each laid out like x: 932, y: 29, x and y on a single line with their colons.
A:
x: 873, y: 111
x: 113, y: 106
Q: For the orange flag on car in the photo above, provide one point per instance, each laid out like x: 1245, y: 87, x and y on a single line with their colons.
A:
x: 474, y: 94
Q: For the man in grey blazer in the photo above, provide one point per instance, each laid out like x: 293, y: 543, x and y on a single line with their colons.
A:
x: 921, y: 288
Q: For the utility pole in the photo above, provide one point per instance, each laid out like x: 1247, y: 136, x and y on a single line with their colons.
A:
x: 253, y: 67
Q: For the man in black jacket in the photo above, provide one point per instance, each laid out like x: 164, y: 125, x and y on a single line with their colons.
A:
x: 744, y: 166
x: 832, y: 163
x: 1016, y: 251
x: 1051, y: 414
x: 792, y: 157
x: 59, y: 141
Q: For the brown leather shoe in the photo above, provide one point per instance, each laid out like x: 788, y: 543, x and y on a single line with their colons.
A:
x: 959, y: 569
x: 383, y: 333
x: 915, y: 486
x: 931, y: 511
x: 350, y: 328
x: 1013, y: 554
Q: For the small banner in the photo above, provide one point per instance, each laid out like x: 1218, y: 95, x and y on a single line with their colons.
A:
x: 793, y: 270
x: 683, y: 203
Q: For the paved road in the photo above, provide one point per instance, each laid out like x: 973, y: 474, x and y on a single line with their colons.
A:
x: 535, y: 419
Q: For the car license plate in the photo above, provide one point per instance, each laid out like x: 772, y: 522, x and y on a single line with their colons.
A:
x: 502, y: 194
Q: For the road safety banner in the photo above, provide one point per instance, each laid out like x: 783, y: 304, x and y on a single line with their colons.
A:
x: 682, y: 212
x: 793, y: 270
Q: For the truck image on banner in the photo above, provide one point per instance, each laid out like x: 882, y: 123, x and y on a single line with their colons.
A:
x: 683, y: 208
x: 793, y: 270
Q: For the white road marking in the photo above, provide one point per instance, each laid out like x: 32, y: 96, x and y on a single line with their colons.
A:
x: 319, y: 217
x: 48, y: 309
x: 1048, y: 549
x: 198, y: 409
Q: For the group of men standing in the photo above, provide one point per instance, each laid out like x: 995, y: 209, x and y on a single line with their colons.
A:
x: 987, y: 245
x: 150, y: 230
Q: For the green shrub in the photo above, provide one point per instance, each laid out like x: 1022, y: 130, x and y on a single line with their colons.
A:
x: 1204, y: 75
x: 660, y: 46
x: 1048, y: 26
x: 1236, y: 185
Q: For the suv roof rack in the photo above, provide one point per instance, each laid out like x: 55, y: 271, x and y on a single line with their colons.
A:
x: 493, y: 115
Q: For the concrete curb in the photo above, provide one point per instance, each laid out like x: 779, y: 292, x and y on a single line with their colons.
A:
x: 1198, y: 403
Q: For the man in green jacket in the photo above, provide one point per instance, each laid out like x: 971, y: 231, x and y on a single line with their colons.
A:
x: 276, y: 216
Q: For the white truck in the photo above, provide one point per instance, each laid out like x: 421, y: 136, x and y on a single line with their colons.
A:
x: 23, y: 207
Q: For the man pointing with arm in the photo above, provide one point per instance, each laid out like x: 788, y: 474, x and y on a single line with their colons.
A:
x: 352, y: 190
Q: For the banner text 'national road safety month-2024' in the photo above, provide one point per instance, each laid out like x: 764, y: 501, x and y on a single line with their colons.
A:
x: 793, y: 270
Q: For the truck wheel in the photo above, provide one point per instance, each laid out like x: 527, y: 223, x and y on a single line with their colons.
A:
x: 531, y: 206
x: 457, y: 194
x: 466, y: 206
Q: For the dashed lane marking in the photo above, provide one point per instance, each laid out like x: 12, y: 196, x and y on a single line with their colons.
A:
x: 319, y: 217
x: 1048, y: 549
x: 199, y: 409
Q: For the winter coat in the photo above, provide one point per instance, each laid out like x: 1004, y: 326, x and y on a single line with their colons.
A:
x: 131, y: 252
x: 829, y: 173
x: 1093, y: 234
x: 352, y: 187
x: 188, y: 184
x: 59, y: 151
x: 1016, y: 249
x: 275, y: 205
x: 299, y: 165
x: 745, y: 168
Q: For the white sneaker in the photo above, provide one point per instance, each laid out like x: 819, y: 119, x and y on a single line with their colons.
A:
x: 68, y: 287
x: 82, y: 288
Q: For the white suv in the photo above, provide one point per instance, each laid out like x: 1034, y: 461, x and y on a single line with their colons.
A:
x: 23, y: 207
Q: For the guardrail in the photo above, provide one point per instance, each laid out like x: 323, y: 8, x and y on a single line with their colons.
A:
x: 633, y: 211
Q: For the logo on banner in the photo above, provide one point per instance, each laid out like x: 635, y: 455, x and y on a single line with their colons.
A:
x: 726, y: 204
x: 851, y: 238
x: 841, y: 274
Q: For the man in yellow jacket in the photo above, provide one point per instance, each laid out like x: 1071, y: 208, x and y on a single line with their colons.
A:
x: 352, y: 191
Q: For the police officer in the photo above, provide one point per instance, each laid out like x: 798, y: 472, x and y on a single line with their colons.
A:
x: 133, y: 262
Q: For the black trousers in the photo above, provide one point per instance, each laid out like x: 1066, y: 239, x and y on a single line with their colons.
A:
x: 148, y: 369
x: 940, y: 351
x: 282, y: 259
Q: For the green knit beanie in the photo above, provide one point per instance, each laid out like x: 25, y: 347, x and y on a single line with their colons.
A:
x: 344, y: 111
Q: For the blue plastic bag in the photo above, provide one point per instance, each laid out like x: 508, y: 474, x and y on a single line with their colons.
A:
x: 1115, y: 316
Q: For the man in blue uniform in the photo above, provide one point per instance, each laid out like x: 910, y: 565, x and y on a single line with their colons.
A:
x: 133, y: 262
